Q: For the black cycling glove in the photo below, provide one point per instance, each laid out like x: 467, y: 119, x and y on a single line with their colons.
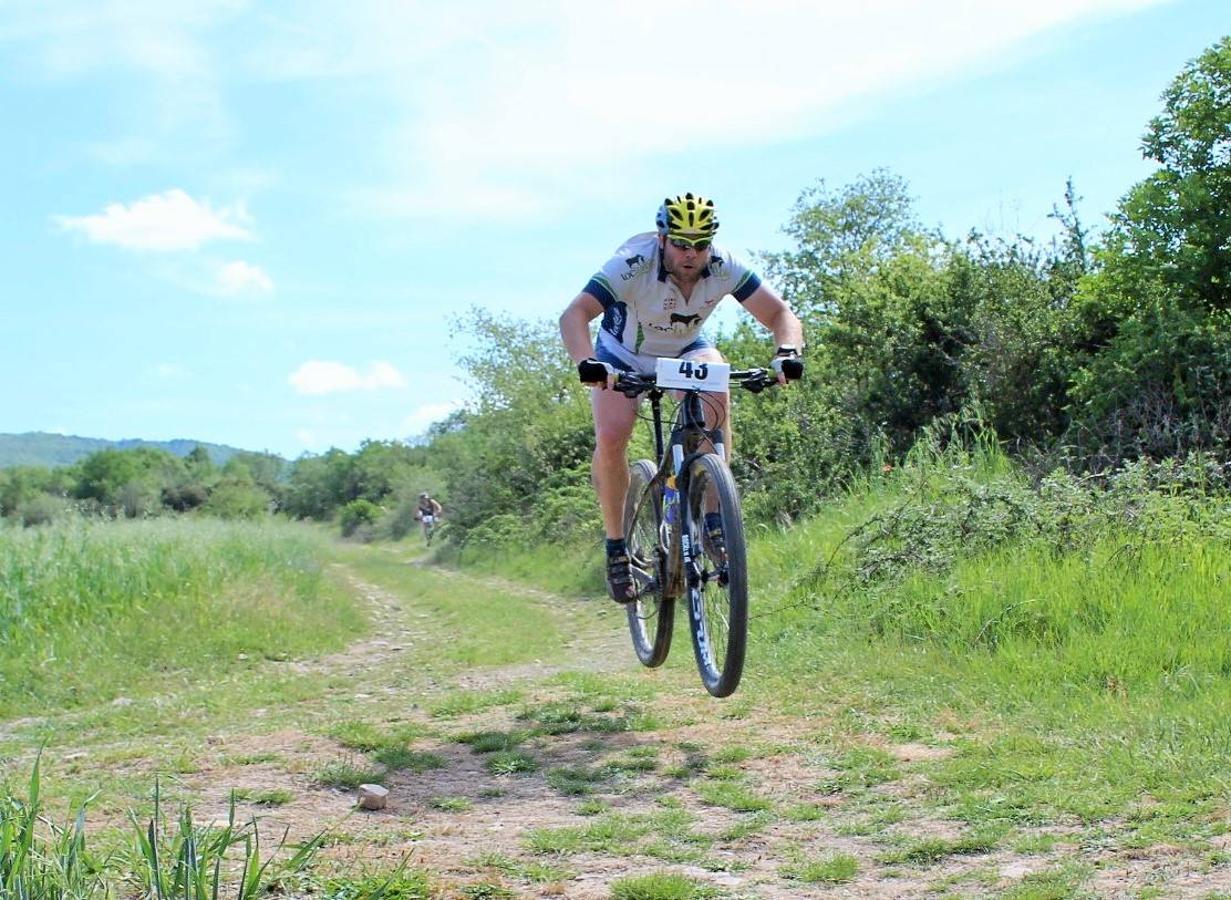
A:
x: 787, y: 363
x: 592, y: 371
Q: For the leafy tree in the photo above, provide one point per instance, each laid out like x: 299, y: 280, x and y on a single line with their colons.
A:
x: 841, y: 236
x: 1024, y: 349
x: 20, y: 485
x: 128, y: 480
x: 185, y: 496
x: 876, y: 294
x: 198, y: 462
x: 266, y: 469
x: 237, y: 497
x: 1173, y: 229
x: 380, y: 467
x: 1155, y: 378
x: 318, y: 485
x: 528, y: 434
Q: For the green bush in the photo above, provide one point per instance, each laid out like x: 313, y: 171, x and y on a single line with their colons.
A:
x: 400, y: 520
x: 1161, y: 388
x: 358, y: 517
x: 237, y: 499
x: 43, y: 509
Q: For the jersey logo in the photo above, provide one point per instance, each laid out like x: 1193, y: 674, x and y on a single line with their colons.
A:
x: 636, y: 265
x: 614, y: 320
x: 686, y: 321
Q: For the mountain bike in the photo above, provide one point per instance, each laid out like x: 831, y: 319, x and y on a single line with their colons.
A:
x: 683, y: 525
x: 428, y: 523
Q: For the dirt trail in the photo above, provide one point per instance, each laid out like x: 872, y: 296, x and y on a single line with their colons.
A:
x: 594, y: 786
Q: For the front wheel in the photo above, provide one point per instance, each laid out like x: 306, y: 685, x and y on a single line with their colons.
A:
x: 716, y: 571
x: 651, y: 616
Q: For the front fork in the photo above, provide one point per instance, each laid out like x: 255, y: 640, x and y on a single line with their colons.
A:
x: 672, y: 521
x: 682, y: 558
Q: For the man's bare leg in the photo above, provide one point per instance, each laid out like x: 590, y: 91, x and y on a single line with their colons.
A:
x: 614, y: 418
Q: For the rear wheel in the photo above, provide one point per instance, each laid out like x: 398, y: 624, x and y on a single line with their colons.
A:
x: 716, y: 573
x: 651, y: 617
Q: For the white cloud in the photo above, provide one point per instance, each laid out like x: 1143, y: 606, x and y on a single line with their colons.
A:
x: 171, y: 220
x: 328, y: 377
x: 534, y: 116
x: 520, y: 110
x: 418, y: 421
x: 239, y: 278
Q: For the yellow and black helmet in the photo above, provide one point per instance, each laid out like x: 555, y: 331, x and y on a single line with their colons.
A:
x: 689, y: 215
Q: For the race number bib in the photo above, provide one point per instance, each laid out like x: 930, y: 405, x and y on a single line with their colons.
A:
x: 690, y: 375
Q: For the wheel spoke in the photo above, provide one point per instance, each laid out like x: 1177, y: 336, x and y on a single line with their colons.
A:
x: 718, y: 595
x: 650, y: 618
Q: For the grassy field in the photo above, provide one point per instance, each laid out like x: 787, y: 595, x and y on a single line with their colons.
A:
x: 184, y: 648
x: 953, y: 675
x: 93, y: 611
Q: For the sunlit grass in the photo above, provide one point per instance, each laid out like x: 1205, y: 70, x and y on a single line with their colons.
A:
x: 93, y: 610
x: 1069, y: 649
x: 483, y: 628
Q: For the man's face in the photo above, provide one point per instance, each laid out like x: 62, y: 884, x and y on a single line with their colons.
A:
x: 685, y: 259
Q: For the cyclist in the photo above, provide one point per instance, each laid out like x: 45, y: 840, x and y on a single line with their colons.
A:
x: 654, y: 295
x: 427, y: 512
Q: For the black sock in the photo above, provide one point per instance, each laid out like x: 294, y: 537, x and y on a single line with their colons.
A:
x: 616, y: 547
x: 713, y: 521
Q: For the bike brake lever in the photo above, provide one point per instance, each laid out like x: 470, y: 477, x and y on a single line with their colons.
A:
x: 630, y: 387
x: 757, y: 383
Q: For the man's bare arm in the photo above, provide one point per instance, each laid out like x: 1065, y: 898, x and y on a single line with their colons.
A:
x: 771, y: 311
x: 575, y: 326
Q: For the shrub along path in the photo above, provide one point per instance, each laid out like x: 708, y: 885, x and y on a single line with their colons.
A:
x: 527, y: 755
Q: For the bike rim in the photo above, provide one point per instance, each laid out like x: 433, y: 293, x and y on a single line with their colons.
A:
x: 710, y: 597
x: 643, y: 549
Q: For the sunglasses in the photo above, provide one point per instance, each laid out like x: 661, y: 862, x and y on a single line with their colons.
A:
x: 684, y: 243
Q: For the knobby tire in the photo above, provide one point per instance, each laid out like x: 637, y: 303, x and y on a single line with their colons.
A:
x: 651, y: 616
x: 717, y: 587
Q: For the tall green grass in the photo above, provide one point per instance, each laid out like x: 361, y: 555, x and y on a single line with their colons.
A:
x: 1119, y: 614
x: 1074, y: 634
x: 1119, y: 583
x: 92, y: 610
x: 41, y: 859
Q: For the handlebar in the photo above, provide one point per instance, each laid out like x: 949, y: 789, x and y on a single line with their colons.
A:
x: 631, y: 384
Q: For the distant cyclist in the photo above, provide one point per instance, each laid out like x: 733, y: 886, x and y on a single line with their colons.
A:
x: 654, y: 295
x: 427, y: 512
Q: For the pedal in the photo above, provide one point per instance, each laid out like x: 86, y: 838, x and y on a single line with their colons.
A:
x: 646, y: 583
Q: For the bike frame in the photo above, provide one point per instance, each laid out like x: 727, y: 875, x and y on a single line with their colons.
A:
x: 687, y: 437
x: 688, y: 434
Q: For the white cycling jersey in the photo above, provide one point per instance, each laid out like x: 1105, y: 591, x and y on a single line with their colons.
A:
x: 644, y: 311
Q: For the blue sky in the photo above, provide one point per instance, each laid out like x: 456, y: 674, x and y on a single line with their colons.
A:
x: 255, y: 223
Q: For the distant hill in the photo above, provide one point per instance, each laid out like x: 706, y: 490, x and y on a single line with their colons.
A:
x: 39, y: 448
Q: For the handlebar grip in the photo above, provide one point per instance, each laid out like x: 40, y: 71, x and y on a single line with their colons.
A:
x: 793, y: 369
x: 592, y: 372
